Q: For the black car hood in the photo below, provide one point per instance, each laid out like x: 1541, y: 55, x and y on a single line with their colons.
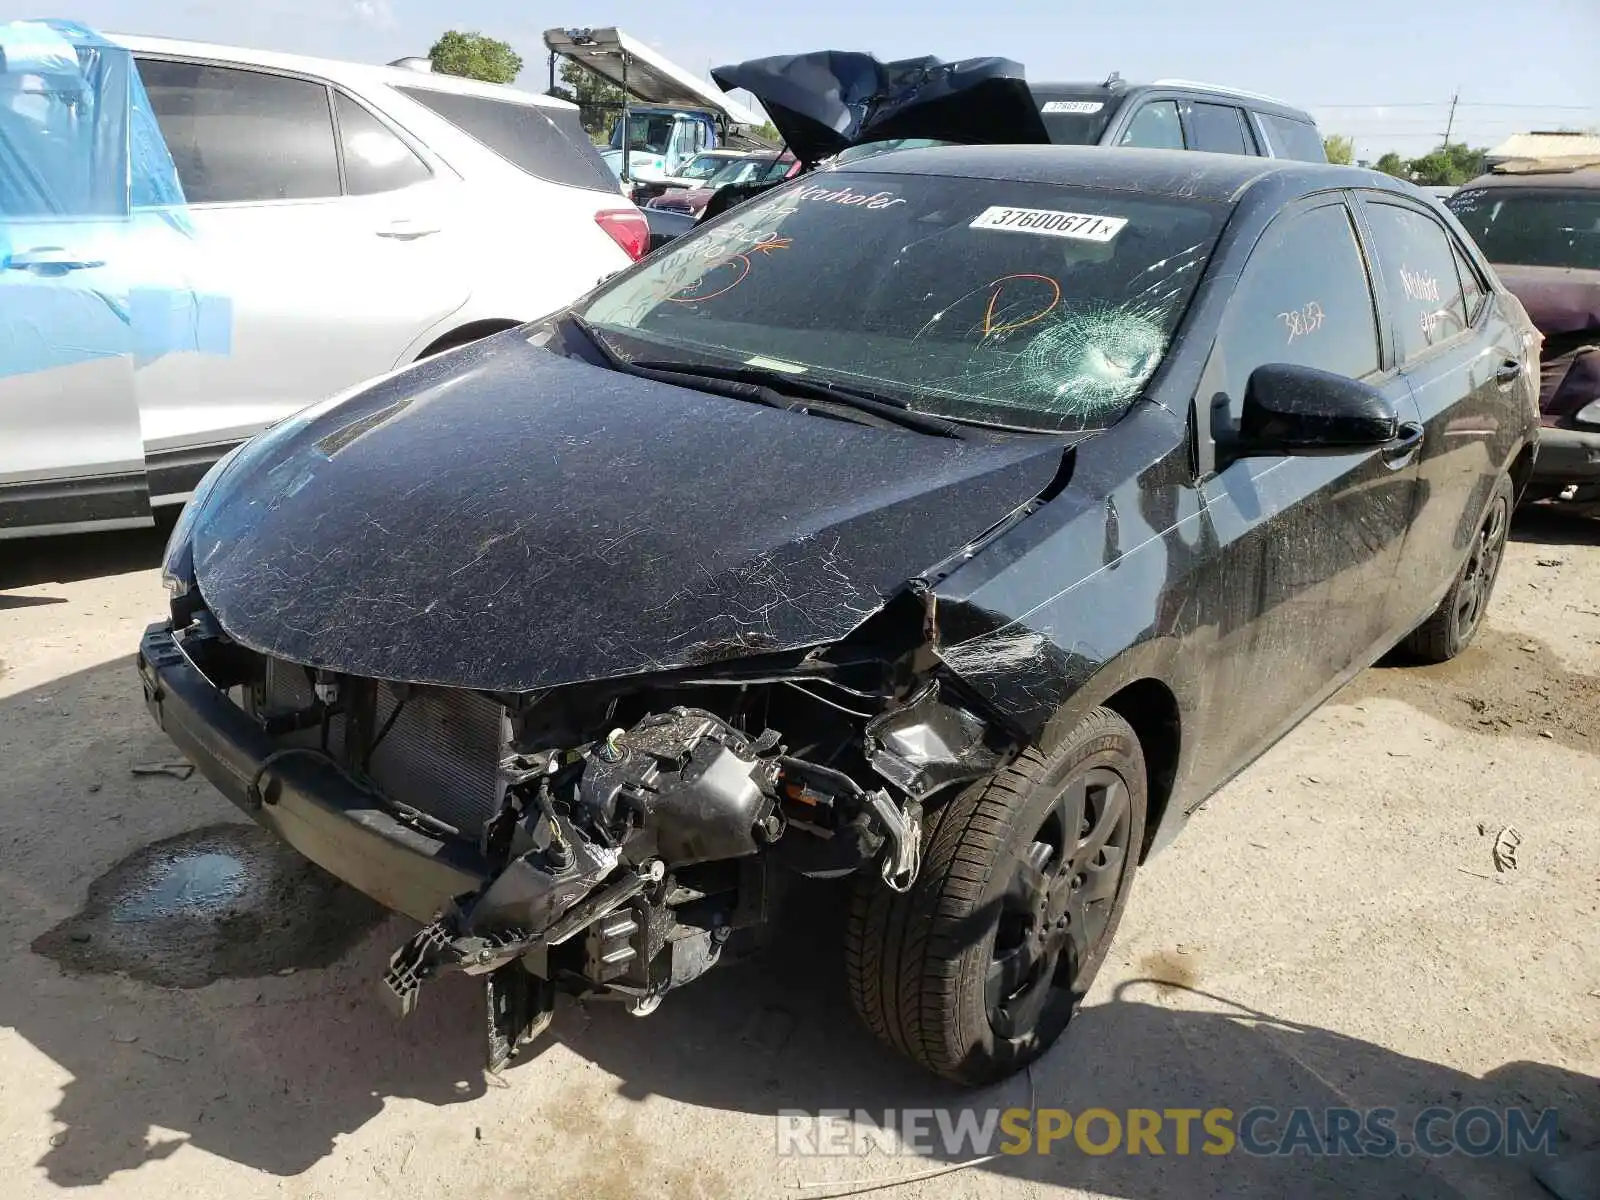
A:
x: 506, y: 518
x: 829, y: 100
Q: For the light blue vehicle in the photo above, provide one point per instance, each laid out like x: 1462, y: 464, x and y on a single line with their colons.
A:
x: 96, y: 263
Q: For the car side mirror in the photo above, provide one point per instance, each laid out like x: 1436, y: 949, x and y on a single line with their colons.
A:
x: 1297, y: 410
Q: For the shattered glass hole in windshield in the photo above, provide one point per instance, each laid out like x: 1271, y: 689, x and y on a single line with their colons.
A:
x: 1034, y: 348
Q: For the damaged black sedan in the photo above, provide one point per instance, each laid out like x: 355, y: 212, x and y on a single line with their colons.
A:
x: 952, y: 524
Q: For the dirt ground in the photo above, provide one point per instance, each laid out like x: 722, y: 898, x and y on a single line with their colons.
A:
x: 1329, y: 930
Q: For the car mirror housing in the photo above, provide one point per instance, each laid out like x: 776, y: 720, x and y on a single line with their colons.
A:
x: 1298, y: 410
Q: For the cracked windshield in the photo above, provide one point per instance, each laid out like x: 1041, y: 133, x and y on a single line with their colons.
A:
x: 1019, y: 304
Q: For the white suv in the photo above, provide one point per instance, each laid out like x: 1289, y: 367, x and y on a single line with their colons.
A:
x: 342, y: 220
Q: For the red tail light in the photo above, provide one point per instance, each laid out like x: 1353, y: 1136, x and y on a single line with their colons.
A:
x: 627, y: 228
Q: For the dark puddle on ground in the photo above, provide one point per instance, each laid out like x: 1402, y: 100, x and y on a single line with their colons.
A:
x: 1504, y: 684
x: 227, y: 901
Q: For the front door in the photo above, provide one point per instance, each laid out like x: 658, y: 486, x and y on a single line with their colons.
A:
x: 70, y: 449
x: 324, y: 236
x: 1309, y: 543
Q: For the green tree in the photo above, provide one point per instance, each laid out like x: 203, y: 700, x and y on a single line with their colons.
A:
x: 599, y: 102
x: 474, y: 56
x: 1392, y: 164
x: 1339, y: 149
x: 1448, y: 166
x: 768, y: 132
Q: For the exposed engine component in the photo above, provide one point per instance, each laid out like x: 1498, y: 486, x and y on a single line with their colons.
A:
x: 687, y: 781
x: 647, y: 843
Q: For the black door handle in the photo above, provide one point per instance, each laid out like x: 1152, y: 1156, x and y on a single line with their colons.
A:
x: 1399, y: 449
x: 1508, y: 370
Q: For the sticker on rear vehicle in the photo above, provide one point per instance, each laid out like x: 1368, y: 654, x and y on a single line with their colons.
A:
x: 1072, y: 106
x: 1085, y: 227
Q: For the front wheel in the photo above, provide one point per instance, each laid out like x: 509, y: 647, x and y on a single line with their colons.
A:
x: 977, y: 970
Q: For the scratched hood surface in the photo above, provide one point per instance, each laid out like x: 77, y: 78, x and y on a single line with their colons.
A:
x: 506, y: 519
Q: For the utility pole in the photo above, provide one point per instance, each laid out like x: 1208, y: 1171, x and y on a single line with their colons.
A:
x: 1450, y: 123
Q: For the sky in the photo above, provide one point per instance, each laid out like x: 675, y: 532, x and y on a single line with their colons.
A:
x: 1381, y: 71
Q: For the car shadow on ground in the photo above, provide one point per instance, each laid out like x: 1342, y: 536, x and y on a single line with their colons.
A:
x: 1551, y: 525
x: 28, y: 562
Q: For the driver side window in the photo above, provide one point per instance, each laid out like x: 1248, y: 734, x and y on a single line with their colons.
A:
x: 1155, y: 127
x: 1304, y: 298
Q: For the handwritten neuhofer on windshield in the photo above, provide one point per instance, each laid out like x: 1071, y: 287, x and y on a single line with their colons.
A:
x: 849, y: 198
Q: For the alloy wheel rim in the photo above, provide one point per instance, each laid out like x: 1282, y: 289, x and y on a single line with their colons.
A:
x: 1058, y: 902
x: 1483, y: 565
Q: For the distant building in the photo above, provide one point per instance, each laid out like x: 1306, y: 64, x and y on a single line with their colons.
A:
x: 1558, y: 148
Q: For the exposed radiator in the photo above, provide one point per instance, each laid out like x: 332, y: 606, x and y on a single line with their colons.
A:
x: 441, y: 757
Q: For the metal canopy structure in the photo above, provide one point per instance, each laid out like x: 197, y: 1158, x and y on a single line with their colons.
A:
x: 642, y: 73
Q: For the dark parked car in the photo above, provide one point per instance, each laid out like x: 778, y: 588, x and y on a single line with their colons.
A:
x: 1541, y: 230
x: 956, y: 523
x: 1177, y: 114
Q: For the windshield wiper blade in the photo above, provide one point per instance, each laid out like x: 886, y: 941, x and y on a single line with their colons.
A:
x: 733, y: 389
x: 890, y: 409
x: 775, y: 389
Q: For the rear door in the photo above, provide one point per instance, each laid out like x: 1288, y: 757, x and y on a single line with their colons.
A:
x: 1466, y: 367
x: 70, y: 449
x: 1311, y: 542
x: 326, y: 231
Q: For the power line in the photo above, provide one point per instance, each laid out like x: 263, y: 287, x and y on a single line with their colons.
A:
x: 1464, y: 104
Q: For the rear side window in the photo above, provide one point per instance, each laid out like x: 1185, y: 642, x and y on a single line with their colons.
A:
x: 1155, y: 127
x: 546, y: 142
x: 375, y: 160
x: 1218, y: 128
x: 1303, y: 299
x: 1418, y: 269
x: 243, y: 135
x: 1288, y: 138
x: 1471, y: 288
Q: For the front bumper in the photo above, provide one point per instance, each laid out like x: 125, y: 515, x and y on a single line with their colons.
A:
x: 1567, y: 456
x: 304, y: 799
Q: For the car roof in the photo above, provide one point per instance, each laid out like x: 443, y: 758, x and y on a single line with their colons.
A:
x: 1181, y: 174
x: 1584, y: 177
x: 1119, y: 89
x: 352, y: 74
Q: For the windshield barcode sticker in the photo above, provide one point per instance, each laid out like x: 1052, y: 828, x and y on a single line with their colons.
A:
x: 1051, y: 222
x: 1072, y: 106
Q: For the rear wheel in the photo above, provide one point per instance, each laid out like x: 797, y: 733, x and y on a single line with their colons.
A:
x: 977, y: 970
x: 1460, y: 614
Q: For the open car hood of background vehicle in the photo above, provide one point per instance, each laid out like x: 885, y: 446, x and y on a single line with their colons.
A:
x: 829, y: 100
x: 505, y: 518
x: 1559, y: 300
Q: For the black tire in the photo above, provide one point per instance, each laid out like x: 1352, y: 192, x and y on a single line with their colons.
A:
x: 1453, y: 625
x: 920, y: 964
